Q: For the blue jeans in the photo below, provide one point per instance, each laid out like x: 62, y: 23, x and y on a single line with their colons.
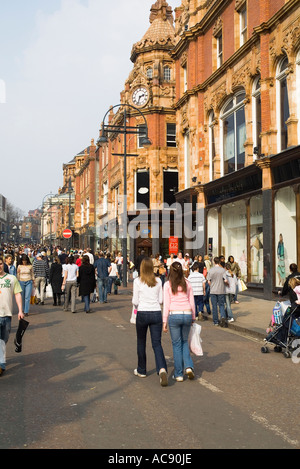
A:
x: 206, y: 298
x: 102, y: 287
x: 179, y: 325
x: 86, y: 299
x: 26, y: 294
x: 5, y: 327
x: 198, y: 304
x: 215, y: 301
x: 153, y: 320
x: 111, y: 281
x: 228, y: 298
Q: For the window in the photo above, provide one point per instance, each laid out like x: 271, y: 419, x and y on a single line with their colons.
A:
x: 186, y: 160
x: 167, y: 73
x: 282, y: 104
x: 141, y: 135
x: 149, y: 72
x: 170, y: 186
x: 256, y: 111
x: 219, y: 49
x: 233, y: 134
x: 87, y: 210
x: 243, y: 25
x: 212, y: 149
x: 185, y: 84
x: 105, y: 198
x: 142, y: 190
x: 171, y: 135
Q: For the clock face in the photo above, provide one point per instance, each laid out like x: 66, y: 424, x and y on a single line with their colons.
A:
x: 140, y: 96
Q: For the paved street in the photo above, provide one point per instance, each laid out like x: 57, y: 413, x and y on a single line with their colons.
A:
x: 73, y: 387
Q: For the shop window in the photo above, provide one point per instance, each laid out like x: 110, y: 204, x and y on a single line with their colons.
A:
x: 285, y: 233
x: 256, y: 112
x: 282, y: 104
x: 142, y: 190
x: 234, y: 231
x: 167, y: 73
x: 233, y: 134
x: 171, y: 135
x: 170, y: 187
x: 212, y: 232
x: 256, y: 239
x: 212, y: 149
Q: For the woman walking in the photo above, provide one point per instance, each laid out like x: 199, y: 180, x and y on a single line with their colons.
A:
x: 87, y: 281
x: 179, y: 312
x: 70, y: 284
x: 25, y: 276
x: 56, y: 280
x: 147, y: 299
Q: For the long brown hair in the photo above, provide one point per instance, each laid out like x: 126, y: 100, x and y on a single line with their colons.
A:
x: 146, y: 272
x: 176, y: 277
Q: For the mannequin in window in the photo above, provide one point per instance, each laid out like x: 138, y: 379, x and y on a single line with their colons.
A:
x: 281, y: 261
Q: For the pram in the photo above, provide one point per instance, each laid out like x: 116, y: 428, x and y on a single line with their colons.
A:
x: 283, y: 335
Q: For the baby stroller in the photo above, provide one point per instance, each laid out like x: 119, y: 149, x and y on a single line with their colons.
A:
x: 284, y: 334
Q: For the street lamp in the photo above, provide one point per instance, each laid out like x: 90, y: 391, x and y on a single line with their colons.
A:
x: 144, y: 142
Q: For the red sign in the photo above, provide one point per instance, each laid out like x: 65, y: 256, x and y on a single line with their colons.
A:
x: 67, y: 233
x: 173, y: 245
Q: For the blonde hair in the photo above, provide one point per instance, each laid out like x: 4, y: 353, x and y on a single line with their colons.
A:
x: 146, y: 272
x: 294, y: 282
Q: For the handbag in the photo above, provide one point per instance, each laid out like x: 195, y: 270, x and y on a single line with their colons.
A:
x: 133, y: 315
x: 241, y: 285
x: 118, y: 282
x: 195, y: 340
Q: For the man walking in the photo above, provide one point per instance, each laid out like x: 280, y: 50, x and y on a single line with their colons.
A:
x: 41, y: 274
x: 217, y: 292
x: 9, y: 286
x: 103, y: 268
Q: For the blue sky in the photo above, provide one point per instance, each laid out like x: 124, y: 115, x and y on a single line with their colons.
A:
x: 63, y: 63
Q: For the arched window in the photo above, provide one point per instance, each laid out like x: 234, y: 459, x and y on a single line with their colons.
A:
x: 256, y: 112
x: 282, y: 104
x: 233, y: 133
x: 167, y: 73
x: 212, y: 150
x: 298, y: 94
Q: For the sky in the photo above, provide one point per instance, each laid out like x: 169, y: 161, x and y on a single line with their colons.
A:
x: 63, y: 63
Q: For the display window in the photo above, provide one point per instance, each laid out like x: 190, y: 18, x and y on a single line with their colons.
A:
x: 285, y: 233
x: 234, y: 233
x: 256, y: 239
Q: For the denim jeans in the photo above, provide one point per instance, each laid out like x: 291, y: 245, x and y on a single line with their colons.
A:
x: 102, y: 288
x: 206, y: 298
x: 5, y: 327
x: 111, y: 281
x: 153, y: 320
x: 86, y: 299
x: 228, y: 298
x: 215, y: 301
x: 26, y: 294
x: 198, y: 304
x: 179, y: 325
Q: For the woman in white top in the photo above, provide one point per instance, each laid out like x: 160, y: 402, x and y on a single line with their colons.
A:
x: 147, y: 299
x: 70, y: 283
x: 112, y: 277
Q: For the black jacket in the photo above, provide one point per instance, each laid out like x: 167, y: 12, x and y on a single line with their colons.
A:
x: 86, y: 279
x: 56, y: 277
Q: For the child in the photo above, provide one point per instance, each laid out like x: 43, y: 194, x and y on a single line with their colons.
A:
x: 230, y: 281
x: 294, y: 283
x: 197, y: 281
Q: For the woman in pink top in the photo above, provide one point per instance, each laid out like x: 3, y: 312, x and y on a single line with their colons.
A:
x: 179, y: 312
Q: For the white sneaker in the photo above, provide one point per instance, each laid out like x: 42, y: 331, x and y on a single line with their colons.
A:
x: 190, y: 373
x: 163, y: 377
x: 230, y: 320
x: 136, y: 373
x: 177, y: 378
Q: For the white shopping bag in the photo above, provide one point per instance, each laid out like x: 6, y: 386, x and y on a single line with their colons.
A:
x: 2, y: 351
x: 49, y: 291
x: 195, y: 340
x: 133, y: 315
